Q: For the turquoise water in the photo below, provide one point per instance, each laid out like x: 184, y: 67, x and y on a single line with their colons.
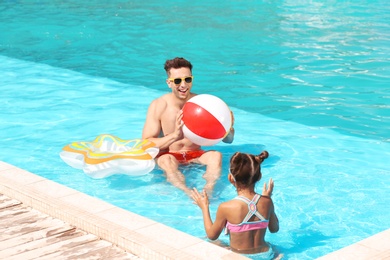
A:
x: 307, y: 80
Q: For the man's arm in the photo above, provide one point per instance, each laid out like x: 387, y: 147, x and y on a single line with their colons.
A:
x: 152, y: 127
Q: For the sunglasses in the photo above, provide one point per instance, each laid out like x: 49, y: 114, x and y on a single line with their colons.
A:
x: 177, y: 81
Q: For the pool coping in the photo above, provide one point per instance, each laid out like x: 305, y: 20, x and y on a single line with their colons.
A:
x: 138, y: 235
x: 373, y: 247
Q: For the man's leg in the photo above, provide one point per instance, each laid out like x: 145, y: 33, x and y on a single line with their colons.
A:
x: 213, y: 162
x: 170, y: 166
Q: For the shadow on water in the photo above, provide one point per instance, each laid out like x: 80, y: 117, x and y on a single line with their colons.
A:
x: 126, y: 182
x: 304, y: 238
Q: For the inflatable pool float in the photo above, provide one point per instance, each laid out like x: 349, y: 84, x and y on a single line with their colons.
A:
x: 108, y: 155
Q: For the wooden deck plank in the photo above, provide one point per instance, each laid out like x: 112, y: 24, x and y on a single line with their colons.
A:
x: 19, y: 215
x: 26, y: 233
x: 39, y: 252
x: 23, y: 226
x: 6, y: 202
x: 17, y: 239
x: 16, y: 229
x: 25, y: 219
x: 99, y: 249
x: 16, y: 211
x: 47, y: 245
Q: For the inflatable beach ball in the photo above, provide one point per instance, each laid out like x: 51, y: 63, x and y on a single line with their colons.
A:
x: 207, y: 119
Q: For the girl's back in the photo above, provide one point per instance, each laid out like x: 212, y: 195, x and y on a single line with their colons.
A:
x: 247, y: 216
x: 246, y: 229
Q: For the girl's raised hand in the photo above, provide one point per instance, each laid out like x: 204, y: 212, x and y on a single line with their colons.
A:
x: 200, y: 199
x: 267, y: 191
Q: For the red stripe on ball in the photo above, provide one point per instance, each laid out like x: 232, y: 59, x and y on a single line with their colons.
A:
x: 202, y: 122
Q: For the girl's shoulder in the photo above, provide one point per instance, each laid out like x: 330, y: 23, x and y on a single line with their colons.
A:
x: 225, y: 203
x: 232, y: 205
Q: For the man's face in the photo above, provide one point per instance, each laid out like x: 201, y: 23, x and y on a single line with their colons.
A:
x: 180, y: 81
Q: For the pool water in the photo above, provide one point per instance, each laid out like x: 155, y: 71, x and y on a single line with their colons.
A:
x: 307, y: 81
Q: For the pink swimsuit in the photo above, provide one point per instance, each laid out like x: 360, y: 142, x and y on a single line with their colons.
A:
x: 252, y: 210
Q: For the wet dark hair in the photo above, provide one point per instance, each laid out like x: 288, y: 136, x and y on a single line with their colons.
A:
x: 246, y: 169
x: 177, y: 63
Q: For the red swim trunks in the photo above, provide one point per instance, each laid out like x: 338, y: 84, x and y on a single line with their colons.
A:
x: 184, y: 156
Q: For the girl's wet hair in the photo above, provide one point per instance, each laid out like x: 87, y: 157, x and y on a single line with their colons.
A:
x: 177, y: 63
x: 245, y: 168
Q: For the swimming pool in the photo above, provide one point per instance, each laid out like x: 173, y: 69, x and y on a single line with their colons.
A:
x: 308, y: 83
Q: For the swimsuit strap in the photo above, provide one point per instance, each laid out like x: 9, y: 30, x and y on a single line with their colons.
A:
x: 252, y: 208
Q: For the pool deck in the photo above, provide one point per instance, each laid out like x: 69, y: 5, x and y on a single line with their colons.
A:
x: 29, y: 234
x: 137, y: 235
x: 62, y: 222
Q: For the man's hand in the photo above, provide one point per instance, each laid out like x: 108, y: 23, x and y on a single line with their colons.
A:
x: 230, y: 136
x: 179, y: 125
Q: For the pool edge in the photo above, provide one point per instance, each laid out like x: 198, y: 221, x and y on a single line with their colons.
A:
x: 373, y: 247
x: 136, y: 234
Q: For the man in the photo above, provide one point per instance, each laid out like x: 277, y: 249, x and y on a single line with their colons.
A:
x: 164, y: 124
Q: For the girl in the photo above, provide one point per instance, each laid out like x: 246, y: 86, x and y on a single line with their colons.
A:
x: 247, y: 216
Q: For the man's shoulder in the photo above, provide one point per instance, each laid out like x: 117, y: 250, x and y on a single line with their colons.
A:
x: 162, y: 100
